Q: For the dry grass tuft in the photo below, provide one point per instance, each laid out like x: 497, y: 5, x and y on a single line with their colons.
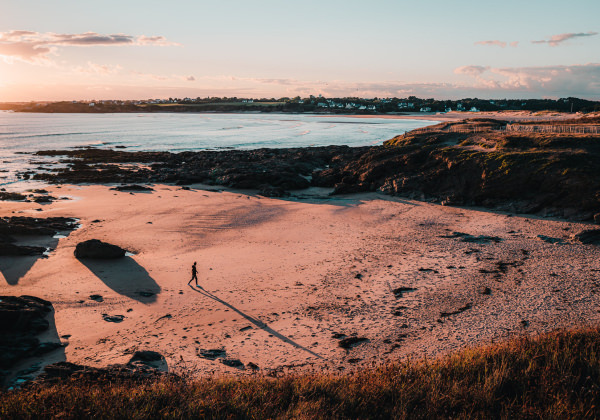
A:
x: 553, y: 376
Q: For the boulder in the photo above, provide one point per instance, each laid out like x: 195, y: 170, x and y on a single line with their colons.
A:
x: 21, y: 320
x: 591, y: 236
x: 20, y: 250
x: 97, y: 249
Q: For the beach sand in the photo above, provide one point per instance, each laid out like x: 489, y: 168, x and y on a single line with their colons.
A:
x: 284, y: 280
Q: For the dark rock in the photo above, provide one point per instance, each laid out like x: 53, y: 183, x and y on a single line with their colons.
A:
x: 62, y: 371
x: 399, y: 291
x: 132, y: 187
x: 428, y: 270
x: 591, y: 236
x: 95, y: 248
x: 458, y: 311
x: 276, y: 192
x: 551, y: 240
x: 10, y: 196
x: 146, y: 356
x: 485, y: 291
x: 21, y: 320
x: 48, y: 226
x: 252, y: 366
x: 97, y: 298
x: 597, y: 218
x: 113, y: 318
x: 167, y: 316
x: 350, y: 342
x: 236, y: 363
x: 25, y: 314
x: 21, y: 250
x: 43, y: 199
x: 212, y: 354
x: 479, y: 239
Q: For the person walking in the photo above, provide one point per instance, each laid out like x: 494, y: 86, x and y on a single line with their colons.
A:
x: 194, y: 274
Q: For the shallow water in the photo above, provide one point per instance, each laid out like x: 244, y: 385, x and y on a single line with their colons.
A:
x: 175, y: 132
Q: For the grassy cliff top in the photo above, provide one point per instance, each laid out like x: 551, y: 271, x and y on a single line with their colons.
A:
x: 556, y: 375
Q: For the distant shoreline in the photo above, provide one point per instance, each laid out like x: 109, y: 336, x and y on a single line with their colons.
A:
x: 427, y: 116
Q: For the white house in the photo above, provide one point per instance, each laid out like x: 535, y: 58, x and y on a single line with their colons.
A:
x: 425, y: 109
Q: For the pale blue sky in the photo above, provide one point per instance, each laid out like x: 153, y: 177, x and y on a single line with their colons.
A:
x: 285, y: 48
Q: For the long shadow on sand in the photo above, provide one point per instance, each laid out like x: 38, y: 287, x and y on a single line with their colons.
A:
x: 256, y: 322
x: 15, y: 267
x: 126, y: 277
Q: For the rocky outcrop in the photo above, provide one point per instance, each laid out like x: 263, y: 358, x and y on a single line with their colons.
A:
x: 30, y: 226
x: 62, y: 371
x: 465, y: 163
x: 97, y: 249
x: 19, y: 225
x: 270, y: 170
x: 21, y: 320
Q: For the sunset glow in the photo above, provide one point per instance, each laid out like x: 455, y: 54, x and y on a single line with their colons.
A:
x: 110, y: 50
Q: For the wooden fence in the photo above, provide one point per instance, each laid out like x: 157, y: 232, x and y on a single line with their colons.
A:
x: 554, y: 128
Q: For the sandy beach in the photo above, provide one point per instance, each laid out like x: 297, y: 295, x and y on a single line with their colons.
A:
x: 283, y: 281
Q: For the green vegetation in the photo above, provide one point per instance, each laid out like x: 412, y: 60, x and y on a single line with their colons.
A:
x: 553, y: 376
x: 320, y: 104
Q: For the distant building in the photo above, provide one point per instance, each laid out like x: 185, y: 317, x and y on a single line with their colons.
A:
x: 474, y: 109
x: 92, y: 104
x: 425, y: 109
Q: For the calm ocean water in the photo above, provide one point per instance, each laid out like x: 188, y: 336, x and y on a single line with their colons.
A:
x: 24, y: 132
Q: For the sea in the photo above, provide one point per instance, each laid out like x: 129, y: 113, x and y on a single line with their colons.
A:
x: 22, y: 134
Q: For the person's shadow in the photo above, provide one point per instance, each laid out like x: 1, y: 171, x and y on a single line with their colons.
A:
x: 126, y: 277
x: 256, y: 322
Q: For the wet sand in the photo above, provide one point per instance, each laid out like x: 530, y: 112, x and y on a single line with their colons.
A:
x: 283, y: 282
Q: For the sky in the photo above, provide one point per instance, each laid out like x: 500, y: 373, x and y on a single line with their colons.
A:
x: 130, y: 49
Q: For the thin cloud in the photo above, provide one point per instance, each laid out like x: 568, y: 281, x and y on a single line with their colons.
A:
x: 556, y: 40
x: 581, y: 80
x: 98, y: 69
x: 471, y: 70
x: 36, y: 47
x: 495, y: 42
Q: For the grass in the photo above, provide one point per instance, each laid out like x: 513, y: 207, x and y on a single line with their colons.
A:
x: 553, y: 376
